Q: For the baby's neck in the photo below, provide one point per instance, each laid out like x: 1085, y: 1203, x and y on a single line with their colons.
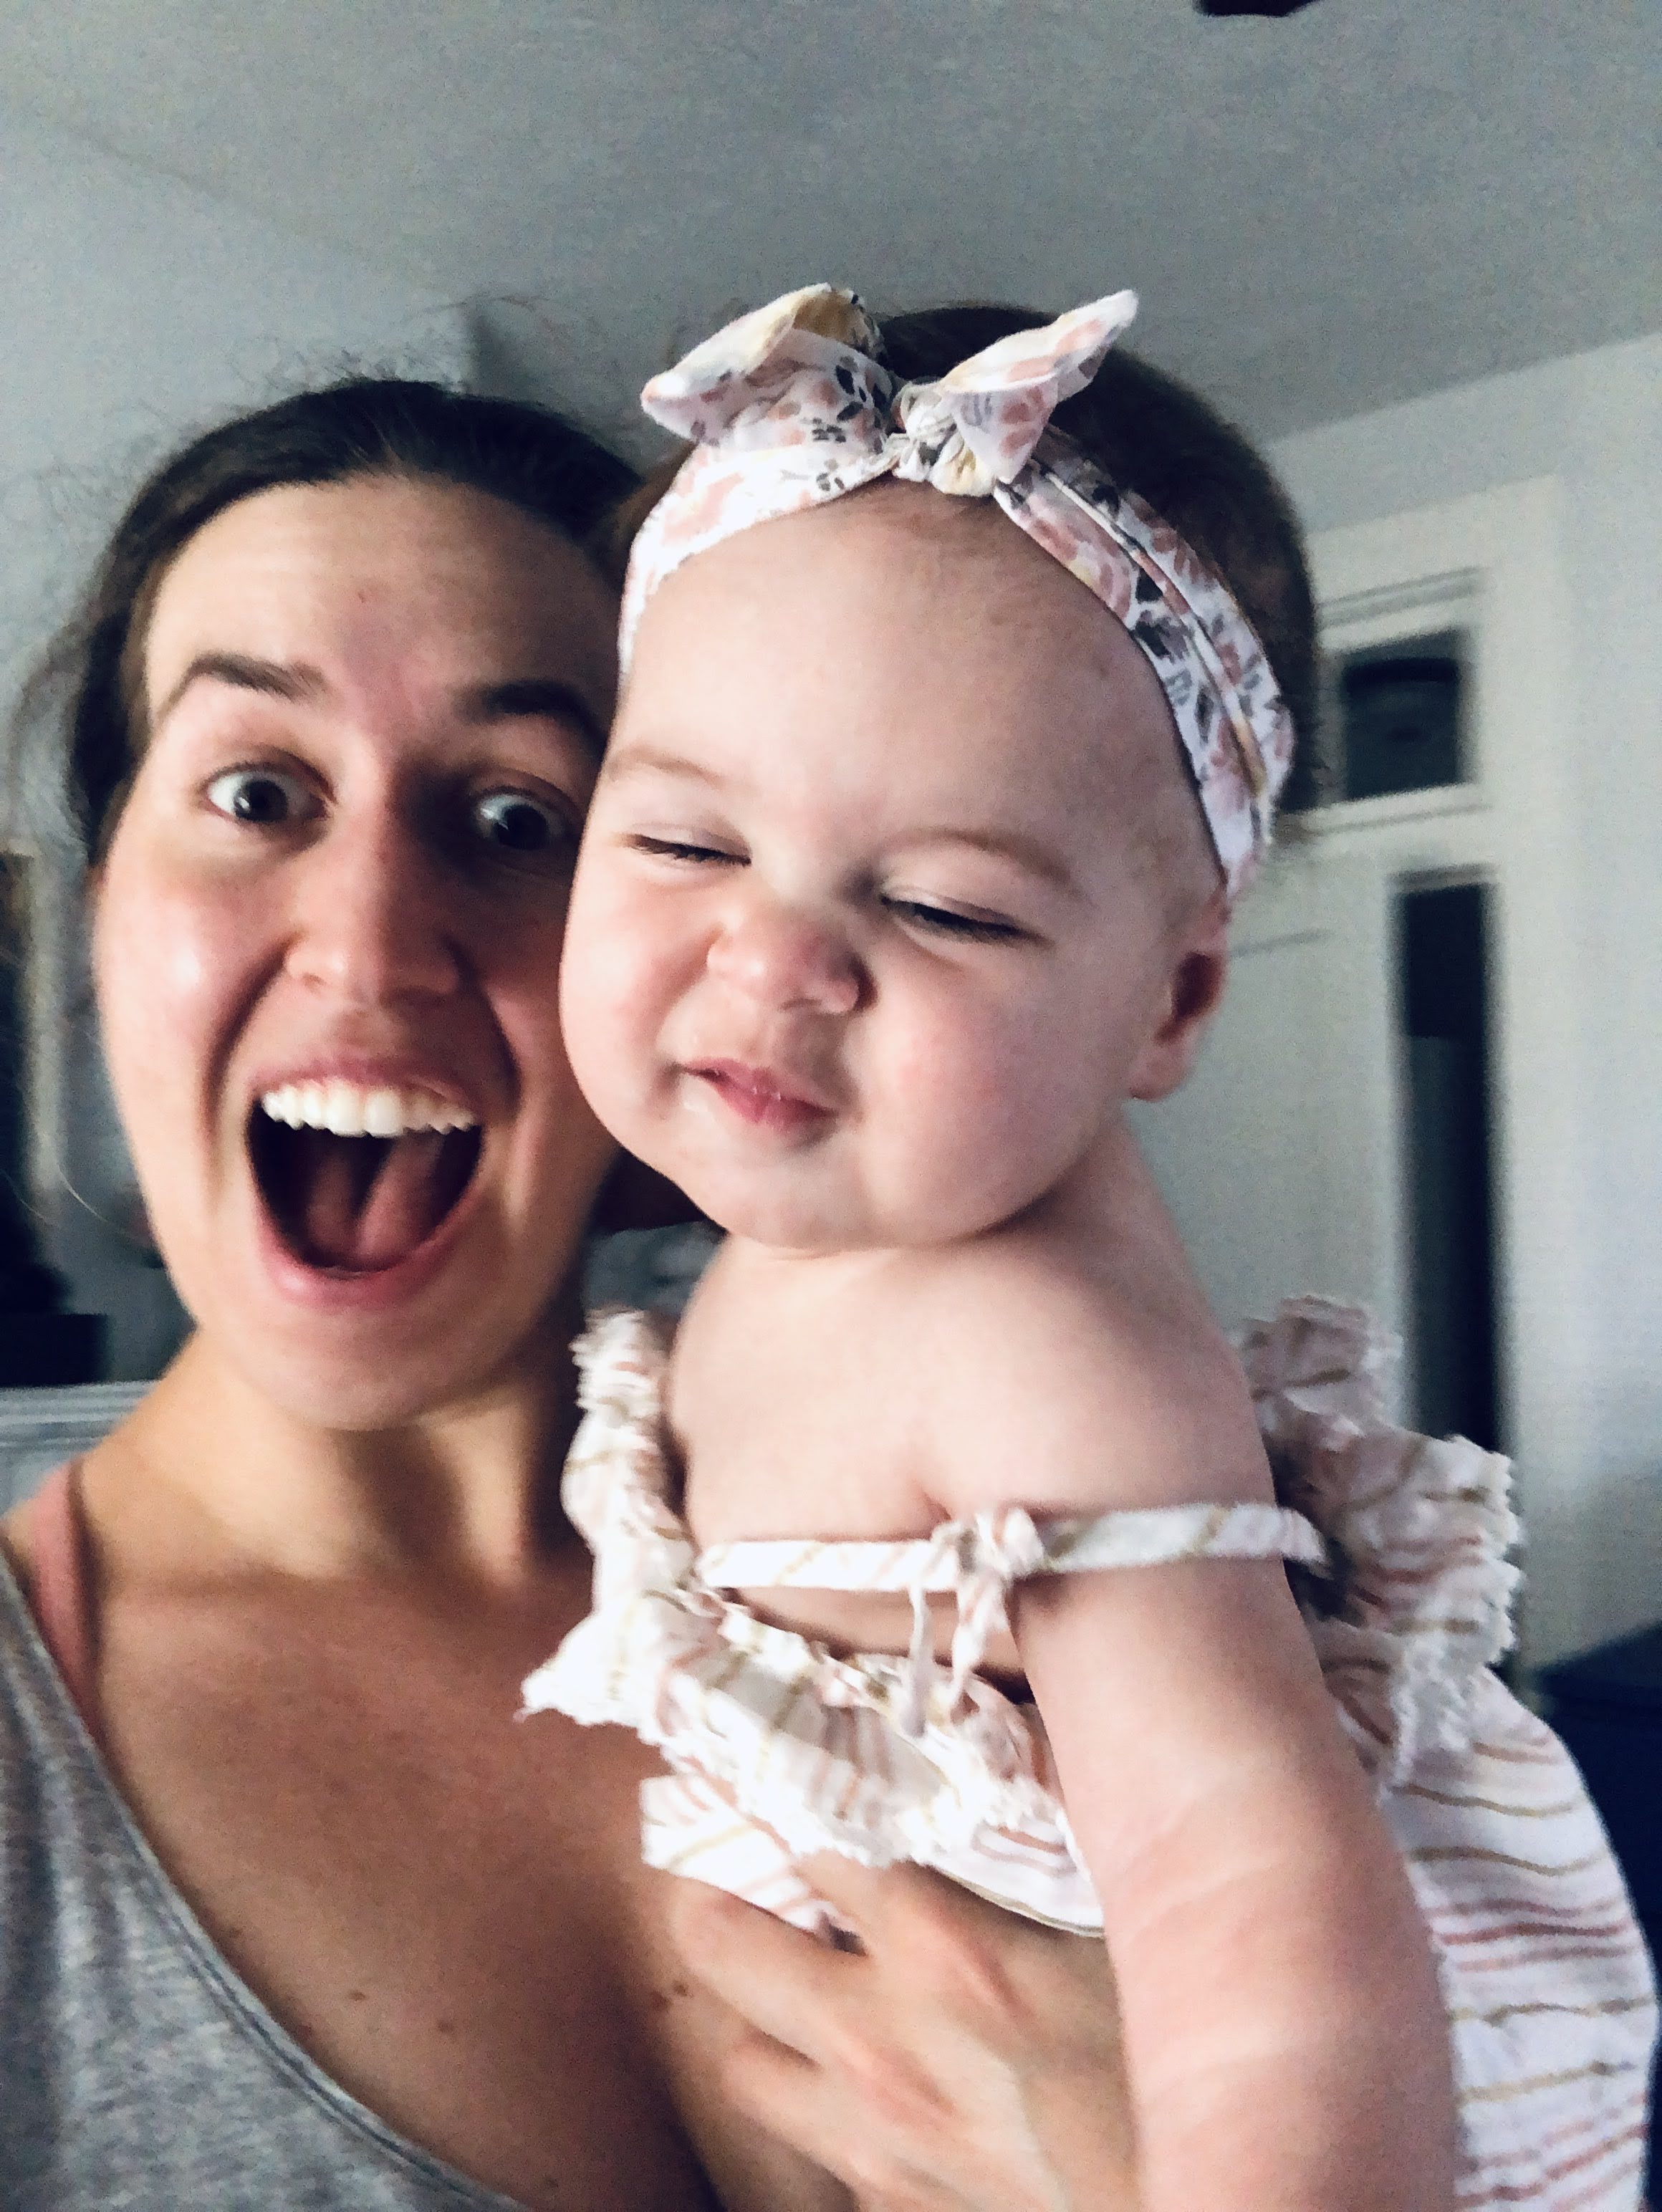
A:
x: 1100, y: 1203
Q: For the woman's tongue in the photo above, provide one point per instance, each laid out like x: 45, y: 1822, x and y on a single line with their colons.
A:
x: 370, y: 1202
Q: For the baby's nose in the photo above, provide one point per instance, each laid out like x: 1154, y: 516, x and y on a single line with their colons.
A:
x: 785, y: 956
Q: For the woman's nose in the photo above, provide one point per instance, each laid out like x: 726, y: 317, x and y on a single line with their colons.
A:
x: 782, y: 956
x: 371, y: 923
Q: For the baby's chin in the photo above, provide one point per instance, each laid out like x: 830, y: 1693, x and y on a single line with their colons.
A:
x: 759, y: 1211
x: 778, y: 1225
x: 816, y: 1199
x: 815, y: 1223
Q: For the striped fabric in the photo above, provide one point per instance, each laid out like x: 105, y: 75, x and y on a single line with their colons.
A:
x: 1550, y: 1995
x: 776, y: 1749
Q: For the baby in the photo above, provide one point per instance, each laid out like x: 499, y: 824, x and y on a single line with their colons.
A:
x: 949, y: 1531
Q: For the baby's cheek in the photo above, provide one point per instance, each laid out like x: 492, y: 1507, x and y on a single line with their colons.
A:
x: 952, y: 1116
x: 608, y: 1006
x: 1006, y: 1098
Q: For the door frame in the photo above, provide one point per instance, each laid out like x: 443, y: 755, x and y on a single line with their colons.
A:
x: 1492, y: 565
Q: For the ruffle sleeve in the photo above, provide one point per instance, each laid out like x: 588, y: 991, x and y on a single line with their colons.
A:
x: 1418, y: 1604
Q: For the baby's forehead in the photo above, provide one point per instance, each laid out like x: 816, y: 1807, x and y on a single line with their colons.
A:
x: 895, y: 589
x: 948, y: 565
x: 1101, y: 708
x: 897, y: 557
x: 910, y: 523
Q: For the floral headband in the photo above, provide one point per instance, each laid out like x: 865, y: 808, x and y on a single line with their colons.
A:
x: 789, y: 407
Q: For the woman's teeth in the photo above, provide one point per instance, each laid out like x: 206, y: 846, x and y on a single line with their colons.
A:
x: 355, y: 1109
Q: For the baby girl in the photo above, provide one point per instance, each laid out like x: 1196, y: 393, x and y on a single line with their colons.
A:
x: 950, y: 736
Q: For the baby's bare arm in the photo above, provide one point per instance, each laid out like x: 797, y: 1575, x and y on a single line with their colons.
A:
x: 1284, y: 2038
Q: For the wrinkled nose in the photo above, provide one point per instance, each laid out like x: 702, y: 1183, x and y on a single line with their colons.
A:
x: 781, y: 956
x: 372, y: 924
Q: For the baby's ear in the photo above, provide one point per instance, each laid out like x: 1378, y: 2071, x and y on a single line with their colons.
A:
x: 1194, y: 983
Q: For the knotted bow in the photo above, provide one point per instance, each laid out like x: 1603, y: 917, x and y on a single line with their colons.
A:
x: 790, y: 407
x: 981, y: 1559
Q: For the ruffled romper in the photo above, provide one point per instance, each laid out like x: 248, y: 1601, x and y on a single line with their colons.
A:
x: 1396, y: 1547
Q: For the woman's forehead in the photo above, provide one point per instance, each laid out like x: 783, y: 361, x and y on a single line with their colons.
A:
x: 443, y: 581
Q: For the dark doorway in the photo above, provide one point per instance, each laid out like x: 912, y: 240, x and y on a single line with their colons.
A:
x: 1444, y: 1009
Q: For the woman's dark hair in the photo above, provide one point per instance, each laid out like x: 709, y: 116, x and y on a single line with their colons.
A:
x: 525, y: 456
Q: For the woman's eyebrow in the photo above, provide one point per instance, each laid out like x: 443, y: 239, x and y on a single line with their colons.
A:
x: 276, y: 679
x: 530, y: 698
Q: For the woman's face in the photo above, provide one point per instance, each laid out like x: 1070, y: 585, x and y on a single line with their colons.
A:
x: 328, y: 930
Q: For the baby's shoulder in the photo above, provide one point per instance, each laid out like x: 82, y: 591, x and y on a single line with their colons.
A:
x: 1010, y: 1301
x: 1042, y: 1374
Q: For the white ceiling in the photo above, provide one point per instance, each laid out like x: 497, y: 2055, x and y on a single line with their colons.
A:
x: 1368, y: 200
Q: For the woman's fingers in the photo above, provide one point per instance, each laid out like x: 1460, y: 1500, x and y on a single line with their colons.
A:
x: 782, y: 1981
x: 869, y: 1897
x: 788, y: 2095
x: 990, y: 1970
x: 877, y: 1901
x: 964, y: 2061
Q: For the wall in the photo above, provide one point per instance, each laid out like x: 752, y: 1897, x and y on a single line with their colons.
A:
x: 1591, y: 422
x: 137, y: 310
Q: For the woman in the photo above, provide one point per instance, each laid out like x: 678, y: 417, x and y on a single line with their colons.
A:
x: 314, y: 1924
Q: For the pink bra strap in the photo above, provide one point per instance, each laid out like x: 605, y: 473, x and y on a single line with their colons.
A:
x: 61, y: 1593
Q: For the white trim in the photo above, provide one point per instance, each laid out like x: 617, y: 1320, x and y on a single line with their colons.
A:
x: 1492, y: 564
x: 1435, y: 799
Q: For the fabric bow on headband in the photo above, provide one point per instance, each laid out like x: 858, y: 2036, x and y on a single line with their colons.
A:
x: 790, y: 407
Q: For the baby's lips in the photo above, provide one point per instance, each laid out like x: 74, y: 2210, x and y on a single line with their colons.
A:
x: 760, y: 1097
x: 762, y: 1081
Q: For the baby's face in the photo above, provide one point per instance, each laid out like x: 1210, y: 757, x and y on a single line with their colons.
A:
x: 870, y: 933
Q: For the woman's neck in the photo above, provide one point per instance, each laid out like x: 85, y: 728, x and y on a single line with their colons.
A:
x: 210, y: 1476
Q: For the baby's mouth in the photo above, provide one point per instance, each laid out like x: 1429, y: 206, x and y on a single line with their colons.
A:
x: 356, y: 1177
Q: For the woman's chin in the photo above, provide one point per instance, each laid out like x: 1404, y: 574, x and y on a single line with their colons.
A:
x: 357, y: 1380
x: 350, y: 1349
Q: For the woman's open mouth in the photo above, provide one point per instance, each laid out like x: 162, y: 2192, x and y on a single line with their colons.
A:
x: 358, y: 1177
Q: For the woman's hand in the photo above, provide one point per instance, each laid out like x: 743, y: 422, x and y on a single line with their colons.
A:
x: 965, y: 2060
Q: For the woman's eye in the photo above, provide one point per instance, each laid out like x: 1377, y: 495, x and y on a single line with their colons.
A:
x: 520, y: 826
x: 946, y: 921
x: 264, y: 796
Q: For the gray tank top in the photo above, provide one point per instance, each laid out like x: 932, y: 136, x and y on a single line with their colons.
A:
x: 138, y: 2072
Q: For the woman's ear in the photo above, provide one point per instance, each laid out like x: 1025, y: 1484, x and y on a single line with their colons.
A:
x: 1196, y: 978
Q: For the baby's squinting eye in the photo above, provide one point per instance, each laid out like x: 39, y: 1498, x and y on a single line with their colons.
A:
x: 266, y: 797
x: 520, y: 826
x: 684, y: 848
x: 946, y: 921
